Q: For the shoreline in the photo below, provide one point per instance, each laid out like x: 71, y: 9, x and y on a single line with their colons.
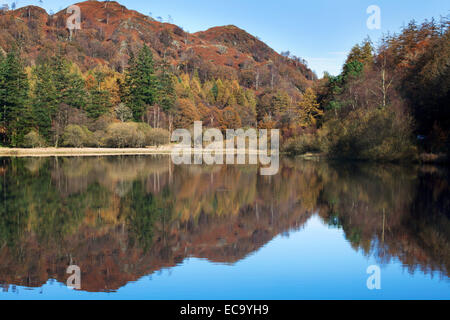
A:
x: 424, y: 158
x: 86, y: 152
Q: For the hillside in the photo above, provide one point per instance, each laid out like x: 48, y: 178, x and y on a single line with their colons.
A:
x: 110, y: 33
x: 125, y: 74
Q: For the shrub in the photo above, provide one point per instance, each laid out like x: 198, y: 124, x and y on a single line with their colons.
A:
x: 124, y: 135
x: 157, y: 137
x: 99, y: 138
x: 380, y: 135
x: 144, y: 128
x: 33, y: 140
x: 153, y: 137
x: 301, y: 145
x: 78, y: 136
x: 102, y: 122
x: 91, y: 139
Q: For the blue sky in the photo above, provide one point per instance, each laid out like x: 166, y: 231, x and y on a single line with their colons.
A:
x: 320, y: 31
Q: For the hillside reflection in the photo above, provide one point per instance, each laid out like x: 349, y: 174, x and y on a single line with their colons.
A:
x: 120, y: 218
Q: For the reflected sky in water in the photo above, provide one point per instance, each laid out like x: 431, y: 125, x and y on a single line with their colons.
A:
x: 141, y: 228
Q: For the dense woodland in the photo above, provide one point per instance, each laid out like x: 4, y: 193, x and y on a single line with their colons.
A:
x: 390, y: 103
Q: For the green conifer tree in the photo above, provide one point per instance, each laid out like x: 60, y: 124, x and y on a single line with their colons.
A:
x: 166, y: 91
x: 2, y: 97
x: 69, y: 84
x: 99, y: 100
x: 141, y: 83
x: 44, y: 102
x: 14, y: 99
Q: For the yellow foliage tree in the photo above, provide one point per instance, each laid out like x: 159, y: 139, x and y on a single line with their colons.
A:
x: 308, y: 109
x: 187, y: 114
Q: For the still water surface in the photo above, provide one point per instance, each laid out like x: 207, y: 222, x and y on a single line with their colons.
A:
x: 140, y: 228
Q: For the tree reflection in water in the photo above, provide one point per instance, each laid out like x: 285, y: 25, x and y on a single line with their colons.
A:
x: 120, y: 218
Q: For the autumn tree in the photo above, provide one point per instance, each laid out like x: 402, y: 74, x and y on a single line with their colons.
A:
x: 186, y: 114
x: 230, y: 119
x: 309, y: 111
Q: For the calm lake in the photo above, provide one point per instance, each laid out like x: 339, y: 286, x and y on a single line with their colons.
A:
x: 139, y: 227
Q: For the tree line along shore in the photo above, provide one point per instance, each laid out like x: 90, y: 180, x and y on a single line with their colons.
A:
x: 390, y: 103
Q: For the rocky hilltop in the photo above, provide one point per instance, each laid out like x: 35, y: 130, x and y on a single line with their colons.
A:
x: 110, y: 34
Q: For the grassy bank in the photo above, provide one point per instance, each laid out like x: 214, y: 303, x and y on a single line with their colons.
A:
x: 25, y: 152
x: 48, y: 152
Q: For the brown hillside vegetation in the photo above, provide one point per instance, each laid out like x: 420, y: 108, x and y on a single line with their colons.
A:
x: 70, y: 87
x: 110, y: 33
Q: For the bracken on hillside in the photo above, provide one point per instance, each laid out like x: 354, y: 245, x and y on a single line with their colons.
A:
x: 110, y: 34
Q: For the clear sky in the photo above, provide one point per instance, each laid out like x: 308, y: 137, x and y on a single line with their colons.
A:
x: 320, y: 31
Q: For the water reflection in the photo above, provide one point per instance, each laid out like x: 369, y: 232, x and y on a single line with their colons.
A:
x: 120, y: 218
